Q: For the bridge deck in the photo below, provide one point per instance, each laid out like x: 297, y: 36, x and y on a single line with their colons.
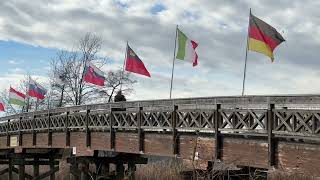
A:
x: 257, y: 131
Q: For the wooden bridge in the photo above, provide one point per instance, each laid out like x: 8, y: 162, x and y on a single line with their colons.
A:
x: 269, y: 132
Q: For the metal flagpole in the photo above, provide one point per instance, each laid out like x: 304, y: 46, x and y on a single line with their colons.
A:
x: 174, y: 57
x: 246, y: 58
x: 124, y: 64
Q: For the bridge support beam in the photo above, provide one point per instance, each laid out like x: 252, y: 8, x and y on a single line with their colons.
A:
x: 105, y: 169
x: 119, y: 171
x: 22, y: 170
x: 75, y: 171
x: 131, y: 171
x: 10, y: 167
x: 52, y: 176
x: 36, y: 167
x: 84, y: 166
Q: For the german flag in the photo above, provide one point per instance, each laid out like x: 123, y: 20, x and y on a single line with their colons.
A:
x: 263, y: 38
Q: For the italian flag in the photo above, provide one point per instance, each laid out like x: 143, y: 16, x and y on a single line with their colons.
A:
x: 186, y: 49
x: 16, y: 97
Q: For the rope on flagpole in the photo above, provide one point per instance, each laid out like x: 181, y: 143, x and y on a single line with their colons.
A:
x: 174, y: 57
x: 246, y: 58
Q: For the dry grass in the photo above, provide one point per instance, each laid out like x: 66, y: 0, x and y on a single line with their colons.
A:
x: 286, y: 176
x: 162, y: 170
x: 171, y: 170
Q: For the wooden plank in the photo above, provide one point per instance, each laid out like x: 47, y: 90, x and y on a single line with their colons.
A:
x: 245, y: 152
x: 299, y: 158
x: 49, y: 173
x: 217, y: 135
x: 205, y: 148
x: 27, y: 140
x: 188, y: 144
x: 3, y: 142
x: 88, y: 143
x: 23, y: 175
x: 58, y: 139
x: 78, y: 140
x: 271, y: 141
x: 157, y: 144
x: 3, y: 171
x: 126, y: 142
x: 42, y: 139
x: 140, y: 130
x: 49, y: 129
x: 100, y: 141
x: 175, y: 137
x: 111, y: 131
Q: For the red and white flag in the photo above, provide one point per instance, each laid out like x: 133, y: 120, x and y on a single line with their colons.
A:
x: 93, y: 75
x: 134, y: 63
x: 36, y: 90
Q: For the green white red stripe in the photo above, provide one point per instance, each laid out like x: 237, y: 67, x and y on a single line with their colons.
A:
x: 16, y: 97
x: 186, y: 49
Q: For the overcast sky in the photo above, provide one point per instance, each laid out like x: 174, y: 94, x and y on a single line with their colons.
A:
x: 31, y: 32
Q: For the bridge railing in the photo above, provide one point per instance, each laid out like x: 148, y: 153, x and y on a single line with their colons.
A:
x: 294, y: 116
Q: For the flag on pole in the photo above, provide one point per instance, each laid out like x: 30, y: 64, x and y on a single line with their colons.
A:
x: 1, y: 105
x: 263, y: 38
x: 93, y: 75
x: 134, y: 64
x: 36, y: 90
x: 186, y: 49
x: 16, y: 97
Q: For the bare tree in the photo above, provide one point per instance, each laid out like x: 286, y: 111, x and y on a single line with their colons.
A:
x: 113, y: 84
x: 69, y: 65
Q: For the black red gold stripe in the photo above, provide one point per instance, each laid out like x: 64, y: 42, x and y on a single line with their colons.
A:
x: 263, y: 38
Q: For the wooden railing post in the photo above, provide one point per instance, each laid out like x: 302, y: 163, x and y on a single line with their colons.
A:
x: 88, y: 138
x: 174, y: 131
x: 112, y: 134
x: 271, y: 142
x: 66, y: 130
x: 20, y: 134
x: 140, y: 131
x: 8, y: 136
x: 34, y: 136
x: 49, y: 129
x: 217, y: 133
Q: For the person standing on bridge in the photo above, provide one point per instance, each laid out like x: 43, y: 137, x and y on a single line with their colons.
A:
x: 119, y: 97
